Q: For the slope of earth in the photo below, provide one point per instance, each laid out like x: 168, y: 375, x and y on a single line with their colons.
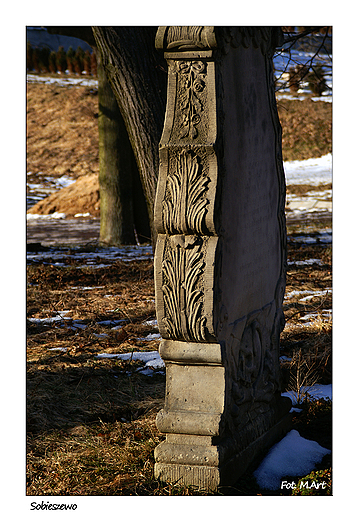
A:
x: 80, y: 197
x: 62, y: 130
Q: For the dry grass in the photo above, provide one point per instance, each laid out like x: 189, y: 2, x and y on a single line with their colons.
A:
x: 91, y: 422
x: 307, y: 128
x: 62, y: 130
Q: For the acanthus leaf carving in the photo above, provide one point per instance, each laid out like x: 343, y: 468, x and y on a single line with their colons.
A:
x: 184, y: 206
x: 182, y: 268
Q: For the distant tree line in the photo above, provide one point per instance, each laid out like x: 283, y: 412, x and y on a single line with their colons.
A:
x: 42, y: 59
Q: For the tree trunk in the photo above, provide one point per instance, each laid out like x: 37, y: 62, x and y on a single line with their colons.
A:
x: 115, y: 168
x: 137, y: 74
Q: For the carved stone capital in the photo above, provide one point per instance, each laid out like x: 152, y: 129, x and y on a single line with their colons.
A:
x: 184, y: 38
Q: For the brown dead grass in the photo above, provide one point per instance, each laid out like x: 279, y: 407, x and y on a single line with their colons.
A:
x: 91, y: 422
x: 62, y: 130
x: 307, y: 128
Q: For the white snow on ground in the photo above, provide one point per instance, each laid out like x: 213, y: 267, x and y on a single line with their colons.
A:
x: 46, y: 186
x: 325, y: 97
x: 314, y: 391
x: 309, y: 261
x: 151, y: 337
x: 110, y: 323
x: 151, y: 323
x: 111, y: 254
x: 310, y: 293
x: 63, y: 81
x: 152, y: 360
x: 84, y: 288
x: 293, y: 456
x: 60, y: 320
x: 323, y: 237
x: 310, y: 171
x: 325, y: 313
x: 34, y: 216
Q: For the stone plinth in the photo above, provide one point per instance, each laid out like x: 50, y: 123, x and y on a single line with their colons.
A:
x: 220, y: 258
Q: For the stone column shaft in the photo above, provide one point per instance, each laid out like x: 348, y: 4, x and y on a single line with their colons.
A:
x: 221, y: 254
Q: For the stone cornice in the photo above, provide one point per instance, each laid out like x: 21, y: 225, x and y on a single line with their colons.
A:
x: 206, y: 38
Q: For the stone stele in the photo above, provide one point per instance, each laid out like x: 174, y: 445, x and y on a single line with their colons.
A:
x: 220, y: 259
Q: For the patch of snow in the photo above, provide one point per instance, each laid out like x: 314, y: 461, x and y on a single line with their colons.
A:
x: 109, y: 323
x: 60, y: 349
x: 309, y: 261
x: 316, y: 293
x: 104, y: 355
x: 133, y: 356
x: 93, y: 266
x: 313, y: 315
x: 85, y: 288
x: 311, y: 294
x: 295, y: 410
x: 60, y: 182
x: 324, y: 237
x: 293, y: 456
x: 315, y: 391
x: 326, y: 98
x: 78, y: 324
x: 49, y: 321
x: 152, y: 360
x: 150, y: 337
x: 77, y: 215
x: 310, y: 171
x: 150, y: 323
x: 63, y: 81
x: 309, y: 204
x: 124, y: 253
x: 60, y: 319
x: 33, y: 216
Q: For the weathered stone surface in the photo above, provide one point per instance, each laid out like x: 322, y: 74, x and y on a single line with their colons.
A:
x: 220, y: 260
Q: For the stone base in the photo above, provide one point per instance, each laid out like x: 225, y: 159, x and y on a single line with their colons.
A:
x: 217, y: 473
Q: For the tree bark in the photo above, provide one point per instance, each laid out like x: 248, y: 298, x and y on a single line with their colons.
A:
x: 116, y: 162
x: 137, y: 74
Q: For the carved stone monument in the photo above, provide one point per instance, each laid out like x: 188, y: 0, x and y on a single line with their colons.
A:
x: 220, y: 258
